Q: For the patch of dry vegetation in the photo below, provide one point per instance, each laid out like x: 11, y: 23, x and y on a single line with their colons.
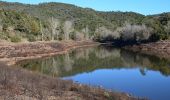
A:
x: 20, y: 51
x: 19, y: 84
x: 160, y: 49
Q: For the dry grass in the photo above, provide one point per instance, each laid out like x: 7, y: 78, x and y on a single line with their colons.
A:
x: 20, y: 84
x: 160, y: 49
x: 11, y: 53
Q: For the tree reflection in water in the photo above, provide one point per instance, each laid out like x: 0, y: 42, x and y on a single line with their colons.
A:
x: 93, y: 58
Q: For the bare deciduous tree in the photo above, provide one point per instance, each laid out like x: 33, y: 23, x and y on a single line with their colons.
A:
x: 86, y: 32
x: 41, y: 31
x: 67, y: 29
x: 167, y: 28
x: 136, y: 32
x: 54, y: 24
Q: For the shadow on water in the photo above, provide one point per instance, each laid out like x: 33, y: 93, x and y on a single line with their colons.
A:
x: 113, y: 68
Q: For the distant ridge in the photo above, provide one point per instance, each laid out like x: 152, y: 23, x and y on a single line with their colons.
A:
x: 66, y: 21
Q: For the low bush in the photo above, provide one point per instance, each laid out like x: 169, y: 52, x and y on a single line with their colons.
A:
x: 16, y: 39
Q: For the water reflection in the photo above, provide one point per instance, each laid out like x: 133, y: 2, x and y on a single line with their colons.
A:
x: 93, y: 58
x: 114, y: 69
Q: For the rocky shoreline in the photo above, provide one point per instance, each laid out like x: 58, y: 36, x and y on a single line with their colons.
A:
x: 17, y: 83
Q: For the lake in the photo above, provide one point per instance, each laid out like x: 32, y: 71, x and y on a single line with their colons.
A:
x: 110, y: 68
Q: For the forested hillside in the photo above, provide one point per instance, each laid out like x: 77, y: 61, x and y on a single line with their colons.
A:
x: 58, y: 21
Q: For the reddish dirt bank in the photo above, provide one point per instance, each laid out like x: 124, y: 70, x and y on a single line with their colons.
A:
x: 11, y: 53
x: 160, y: 49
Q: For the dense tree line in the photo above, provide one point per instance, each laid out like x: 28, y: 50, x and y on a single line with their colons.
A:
x: 58, y: 21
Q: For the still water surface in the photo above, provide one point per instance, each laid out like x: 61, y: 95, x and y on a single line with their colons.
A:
x: 112, y: 68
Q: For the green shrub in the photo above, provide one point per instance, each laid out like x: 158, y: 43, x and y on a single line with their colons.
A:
x: 72, y: 35
x: 5, y: 26
x: 15, y: 39
x: 31, y: 38
x: 4, y: 36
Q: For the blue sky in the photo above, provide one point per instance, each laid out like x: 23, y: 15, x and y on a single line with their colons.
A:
x: 141, y: 6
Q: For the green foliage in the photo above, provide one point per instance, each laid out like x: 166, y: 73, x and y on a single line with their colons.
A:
x: 31, y: 38
x: 72, y: 35
x: 119, y: 18
x: 4, y: 27
x: 26, y: 19
x: 21, y: 22
x: 4, y: 36
x: 158, y: 23
x: 15, y: 39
